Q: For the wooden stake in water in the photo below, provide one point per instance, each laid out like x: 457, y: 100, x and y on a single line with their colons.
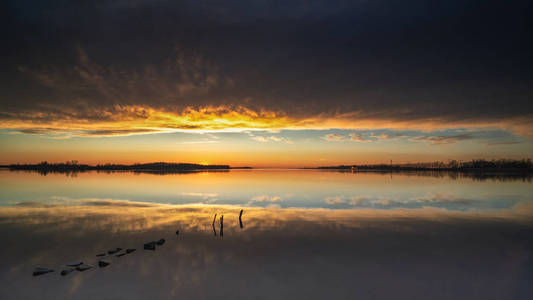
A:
x: 240, y: 218
x: 222, y: 225
x: 214, y: 230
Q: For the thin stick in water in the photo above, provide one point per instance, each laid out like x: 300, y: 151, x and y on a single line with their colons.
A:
x: 214, y: 230
x: 222, y: 225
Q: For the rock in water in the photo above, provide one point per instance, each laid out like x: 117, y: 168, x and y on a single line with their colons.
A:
x: 66, y: 272
x: 160, y: 242
x: 121, y: 254
x: 83, y: 267
x: 74, y: 264
x: 101, y: 254
x: 41, y: 271
x: 113, y: 251
x: 130, y: 250
x: 103, y: 263
x: 177, y: 232
x: 149, y: 246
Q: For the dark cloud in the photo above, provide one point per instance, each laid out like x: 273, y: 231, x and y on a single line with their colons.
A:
x: 66, y: 133
x: 37, y: 130
x: 447, y: 62
x: 433, y: 138
x: 444, y: 139
x: 504, y: 143
x: 113, y: 203
x: 116, y: 132
x: 33, y: 204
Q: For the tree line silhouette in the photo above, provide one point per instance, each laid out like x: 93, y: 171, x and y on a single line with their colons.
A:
x: 157, y: 167
x: 514, y: 165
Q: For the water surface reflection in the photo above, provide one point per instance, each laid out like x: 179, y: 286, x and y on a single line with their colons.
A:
x: 273, y: 188
x: 279, y: 253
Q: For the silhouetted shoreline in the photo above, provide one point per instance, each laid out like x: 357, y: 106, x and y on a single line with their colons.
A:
x: 476, y: 166
x: 475, y: 175
x: 156, y: 168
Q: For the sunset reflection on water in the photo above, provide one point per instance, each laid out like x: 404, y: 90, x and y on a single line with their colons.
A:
x: 331, y: 235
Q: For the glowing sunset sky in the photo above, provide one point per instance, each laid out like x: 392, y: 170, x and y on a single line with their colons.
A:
x: 265, y: 83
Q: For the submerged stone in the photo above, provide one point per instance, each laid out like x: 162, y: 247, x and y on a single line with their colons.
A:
x: 113, y: 251
x: 101, y: 254
x: 103, y: 263
x: 121, y: 254
x: 177, y: 232
x: 160, y: 242
x: 83, y: 267
x: 149, y: 246
x: 74, y: 264
x: 66, y: 272
x: 41, y: 271
x: 130, y: 250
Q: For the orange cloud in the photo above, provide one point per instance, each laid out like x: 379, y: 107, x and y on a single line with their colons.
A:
x: 334, y: 137
x: 132, y: 119
x: 137, y: 119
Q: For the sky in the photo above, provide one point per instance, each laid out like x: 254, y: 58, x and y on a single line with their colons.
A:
x: 265, y: 83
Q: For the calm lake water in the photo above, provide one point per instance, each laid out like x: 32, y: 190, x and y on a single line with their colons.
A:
x: 305, y: 234
x: 271, y: 188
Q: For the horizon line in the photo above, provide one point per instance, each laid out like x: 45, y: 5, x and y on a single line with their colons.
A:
x: 389, y: 163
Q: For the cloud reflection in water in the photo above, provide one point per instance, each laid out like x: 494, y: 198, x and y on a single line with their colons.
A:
x: 280, y: 253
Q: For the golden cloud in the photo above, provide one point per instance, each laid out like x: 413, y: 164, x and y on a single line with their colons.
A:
x: 137, y: 119
x: 132, y: 119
